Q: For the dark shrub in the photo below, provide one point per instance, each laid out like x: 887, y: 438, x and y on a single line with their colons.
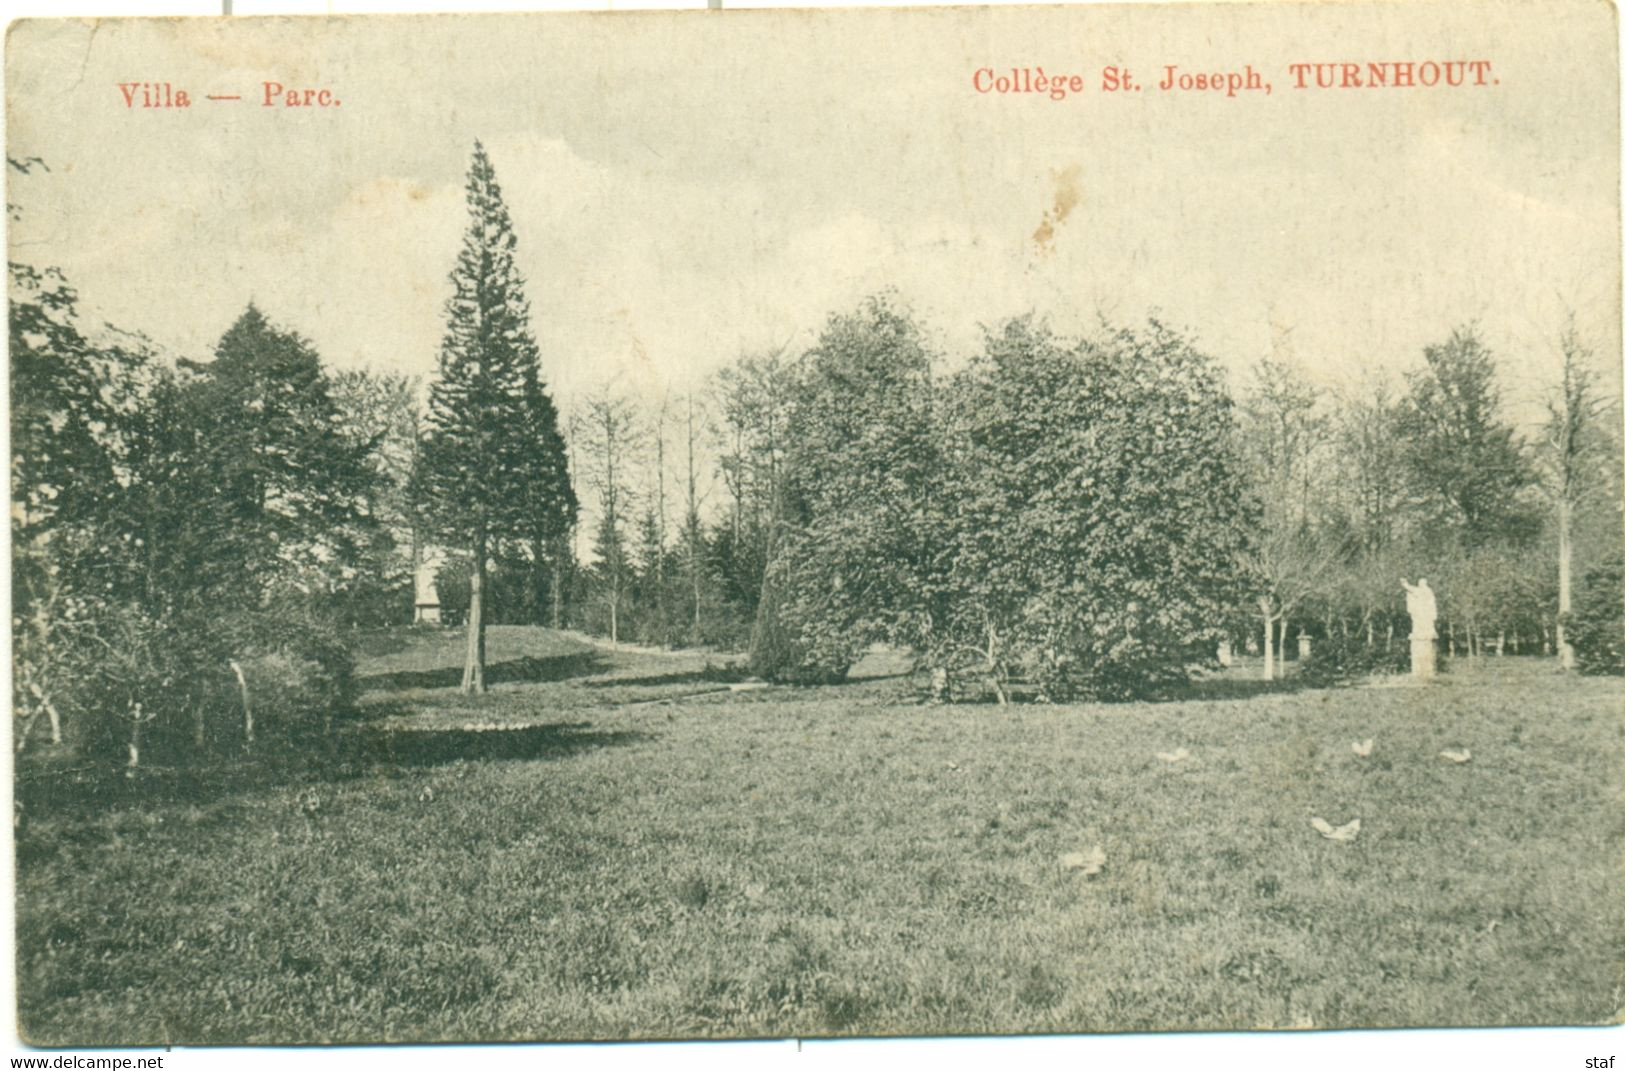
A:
x: 1596, y: 628
x: 821, y: 653
x: 1110, y: 660
x: 298, y: 671
x: 375, y: 602
x: 138, y: 688
x: 1340, y: 659
x: 141, y: 689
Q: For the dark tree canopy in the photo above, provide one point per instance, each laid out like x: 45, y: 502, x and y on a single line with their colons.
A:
x: 286, y: 478
x: 1598, y: 622
x: 1461, y: 453
x: 174, y: 521
x: 73, y: 401
x: 1066, y: 511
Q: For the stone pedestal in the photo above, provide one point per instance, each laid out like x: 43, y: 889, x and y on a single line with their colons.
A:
x: 426, y: 600
x: 1303, y: 646
x: 1421, y: 658
x: 1226, y: 658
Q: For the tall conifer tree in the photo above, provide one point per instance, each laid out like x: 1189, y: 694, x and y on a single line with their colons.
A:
x: 493, y: 465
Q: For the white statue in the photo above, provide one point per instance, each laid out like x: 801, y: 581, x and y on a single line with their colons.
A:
x: 1424, y: 610
x: 1419, y: 603
x: 426, y: 596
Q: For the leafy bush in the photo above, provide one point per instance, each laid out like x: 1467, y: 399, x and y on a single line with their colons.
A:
x: 849, y: 569
x: 373, y: 602
x: 719, y: 632
x: 1597, y: 626
x: 507, y: 599
x: 298, y: 672
x: 1092, y: 519
x: 802, y: 646
x: 137, y: 689
x: 1339, y: 659
x: 1111, y: 664
x: 1069, y: 506
x: 133, y: 688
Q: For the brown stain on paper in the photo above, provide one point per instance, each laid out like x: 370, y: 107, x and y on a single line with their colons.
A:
x: 1068, y: 195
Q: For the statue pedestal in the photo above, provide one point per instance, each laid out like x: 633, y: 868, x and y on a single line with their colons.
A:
x: 1422, y: 658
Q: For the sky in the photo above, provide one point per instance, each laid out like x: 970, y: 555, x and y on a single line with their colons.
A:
x: 686, y: 189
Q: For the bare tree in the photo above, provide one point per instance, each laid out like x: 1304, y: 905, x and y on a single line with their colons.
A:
x: 1570, y: 459
x: 693, y: 532
x: 610, y: 435
x: 1284, y: 431
x: 657, y: 426
x: 1369, y: 484
x: 754, y: 400
x: 1291, y: 566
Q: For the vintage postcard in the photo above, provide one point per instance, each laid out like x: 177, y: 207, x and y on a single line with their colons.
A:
x: 816, y: 523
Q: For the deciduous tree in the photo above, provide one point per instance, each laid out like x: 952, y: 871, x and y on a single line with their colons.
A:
x: 1093, y: 509
x: 1574, y: 458
x: 1464, y: 463
x: 851, y: 545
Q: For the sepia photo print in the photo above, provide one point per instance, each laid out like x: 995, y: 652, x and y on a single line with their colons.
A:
x: 816, y: 523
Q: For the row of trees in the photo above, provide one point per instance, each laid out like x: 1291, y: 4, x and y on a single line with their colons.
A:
x: 1078, y: 516
x: 1344, y: 492
x: 1434, y: 479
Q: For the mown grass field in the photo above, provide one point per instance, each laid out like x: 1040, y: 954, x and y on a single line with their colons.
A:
x: 847, y: 861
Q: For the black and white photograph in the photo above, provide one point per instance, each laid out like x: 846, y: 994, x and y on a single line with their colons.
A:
x: 700, y: 525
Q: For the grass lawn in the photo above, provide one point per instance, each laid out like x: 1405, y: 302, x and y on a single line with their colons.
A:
x: 563, y: 859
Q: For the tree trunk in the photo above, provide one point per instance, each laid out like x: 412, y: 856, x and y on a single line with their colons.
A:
x: 694, y: 567
x: 416, y: 559
x: 1565, y: 594
x: 50, y: 713
x: 993, y: 675
x: 558, y: 584
x: 135, y: 735
x: 540, y: 580
x: 1269, y: 637
x: 695, y: 534
x: 474, y: 666
x: 248, y: 711
x: 662, y: 611
x: 1280, y: 650
x: 770, y: 656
